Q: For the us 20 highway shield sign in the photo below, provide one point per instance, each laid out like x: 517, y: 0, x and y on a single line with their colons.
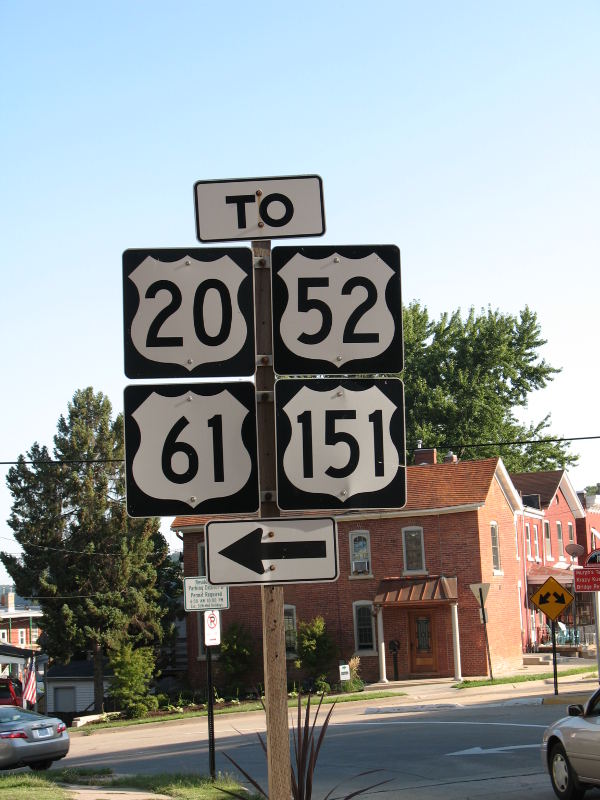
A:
x: 188, y: 313
x: 340, y: 444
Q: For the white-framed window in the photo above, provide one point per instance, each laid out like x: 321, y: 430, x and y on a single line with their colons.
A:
x: 364, y: 626
x: 35, y: 632
x: 413, y: 549
x: 3, y: 635
x: 528, y: 540
x: 360, y: 553
x: 571, y: 532
x: 496, y: 562
x: 536, y: 543
x: 290, y: 631
x: 559, y: 536
x: 22, y: 636
x: 547, y: 540
x: 201, y: 560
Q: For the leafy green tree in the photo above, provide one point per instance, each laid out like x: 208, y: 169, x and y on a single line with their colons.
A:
x: 92, y: 568
x: 316, y: 649
x: 133, y: 670
x: 237, y: 656
x: 464, y: 379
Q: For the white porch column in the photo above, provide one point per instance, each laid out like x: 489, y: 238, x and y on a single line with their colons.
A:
x: 381, y: 643
x: 456, y: 642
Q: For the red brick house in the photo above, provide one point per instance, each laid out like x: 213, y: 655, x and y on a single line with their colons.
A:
x: 405, y: 578
x: 552, y: 512
x: 19, y: 622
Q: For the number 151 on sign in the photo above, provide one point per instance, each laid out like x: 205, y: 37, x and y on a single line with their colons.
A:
x: 340, y: 444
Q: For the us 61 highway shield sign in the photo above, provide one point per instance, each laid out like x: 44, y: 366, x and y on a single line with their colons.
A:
x: 340, y: 444
x: 191, y: 448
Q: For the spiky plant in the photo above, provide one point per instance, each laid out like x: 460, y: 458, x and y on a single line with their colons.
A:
x: 306, y: 752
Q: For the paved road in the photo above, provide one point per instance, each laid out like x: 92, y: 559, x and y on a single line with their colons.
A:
x: 445, y: 752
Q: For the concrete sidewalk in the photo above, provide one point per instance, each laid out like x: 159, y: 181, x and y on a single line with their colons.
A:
x: 102, y: 793
x: 571, y: 688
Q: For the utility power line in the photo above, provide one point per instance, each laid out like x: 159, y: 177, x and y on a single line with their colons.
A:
x: 552, y: 440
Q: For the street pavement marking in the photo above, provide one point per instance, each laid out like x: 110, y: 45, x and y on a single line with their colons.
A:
x: 484, y: 751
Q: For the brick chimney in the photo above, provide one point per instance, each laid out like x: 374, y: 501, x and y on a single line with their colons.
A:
x: 425, y: 455
x: 450, y: 458
x: 10, y: 601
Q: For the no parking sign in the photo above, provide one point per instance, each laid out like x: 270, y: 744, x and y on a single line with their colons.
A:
x: 212, y: 627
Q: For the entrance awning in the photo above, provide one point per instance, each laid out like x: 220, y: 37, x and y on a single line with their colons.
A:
x: 537, y: 575
x: 422, y: 591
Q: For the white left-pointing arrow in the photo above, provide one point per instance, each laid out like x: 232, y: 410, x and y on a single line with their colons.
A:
x: 484, y: 751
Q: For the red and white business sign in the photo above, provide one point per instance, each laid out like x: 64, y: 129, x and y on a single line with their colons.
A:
x: 587, y: 579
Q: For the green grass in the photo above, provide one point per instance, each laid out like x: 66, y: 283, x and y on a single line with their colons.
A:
x: 89, y: 729
x: 27, y: 786
x: 540, y: 676
x: 179, y: 787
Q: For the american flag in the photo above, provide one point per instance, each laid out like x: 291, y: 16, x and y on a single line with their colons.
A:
x: 30, y: 690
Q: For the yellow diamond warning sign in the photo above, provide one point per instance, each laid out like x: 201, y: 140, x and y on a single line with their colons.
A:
x: 552, y: 598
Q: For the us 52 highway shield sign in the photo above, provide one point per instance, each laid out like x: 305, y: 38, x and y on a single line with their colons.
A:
x: 337, y: 310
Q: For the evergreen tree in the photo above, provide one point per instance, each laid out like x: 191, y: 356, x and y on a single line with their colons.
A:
x: 92, y: 568
x: 465, y: 378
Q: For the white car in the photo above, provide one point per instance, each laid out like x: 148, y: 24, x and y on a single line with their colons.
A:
x: 571, y: 750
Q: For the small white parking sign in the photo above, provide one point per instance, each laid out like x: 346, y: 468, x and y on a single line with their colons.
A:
x: 191, y: 448
x: 199, y: 594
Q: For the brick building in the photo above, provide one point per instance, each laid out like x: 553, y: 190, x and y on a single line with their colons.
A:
x: 18, y: 621
x: 405, y: 578
x: 553, y: 518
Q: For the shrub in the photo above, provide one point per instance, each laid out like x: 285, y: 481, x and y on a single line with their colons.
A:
x: 316, y: 649
x: 356, y: 683
x: 236, y: 657
x: 132, y: 675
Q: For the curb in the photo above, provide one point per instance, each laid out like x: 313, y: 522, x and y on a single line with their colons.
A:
x: 566, y: 699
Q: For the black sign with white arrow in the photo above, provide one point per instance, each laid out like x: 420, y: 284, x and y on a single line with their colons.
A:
x: 272, y: 551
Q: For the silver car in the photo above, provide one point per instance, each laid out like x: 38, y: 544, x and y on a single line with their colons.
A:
x: 571, y: 750
x: 28, y: 739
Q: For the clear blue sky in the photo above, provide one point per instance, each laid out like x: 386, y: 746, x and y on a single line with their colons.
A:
x: 466, y: 133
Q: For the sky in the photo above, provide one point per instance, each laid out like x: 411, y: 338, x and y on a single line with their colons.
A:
x: 466, y: 133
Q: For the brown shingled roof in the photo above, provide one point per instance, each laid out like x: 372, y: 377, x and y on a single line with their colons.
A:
x: 543, y: 483
x: 428, y: 487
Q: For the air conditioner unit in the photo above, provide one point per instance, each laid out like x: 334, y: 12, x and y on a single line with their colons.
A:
x: 360, y: 567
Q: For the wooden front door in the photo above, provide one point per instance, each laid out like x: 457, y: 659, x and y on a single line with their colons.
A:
x: 422, y: 642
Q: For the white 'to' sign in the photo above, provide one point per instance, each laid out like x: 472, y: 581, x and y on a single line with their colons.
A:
x: 188, y: 313
x: 337, y: 307
x: 340, y: 444
x: 259, y: 208
x: 189, y: 448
